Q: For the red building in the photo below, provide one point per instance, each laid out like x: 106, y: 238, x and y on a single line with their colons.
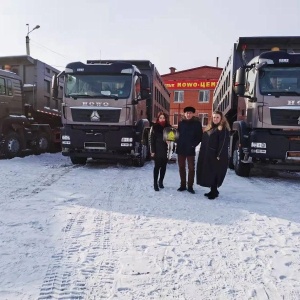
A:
x: 192, y: 87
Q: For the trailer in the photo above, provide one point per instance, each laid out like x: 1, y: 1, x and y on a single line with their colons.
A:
x: 259, y: 92
x: 108, y: 108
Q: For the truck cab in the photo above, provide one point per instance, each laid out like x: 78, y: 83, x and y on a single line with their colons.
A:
x: 104, y: 112
x: 268, y: 90
x: 259, y: 92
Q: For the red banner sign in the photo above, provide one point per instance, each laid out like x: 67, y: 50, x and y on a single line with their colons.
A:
x: 190, y: 84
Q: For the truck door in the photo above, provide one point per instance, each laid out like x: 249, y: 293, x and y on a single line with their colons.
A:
x: 11, y: 94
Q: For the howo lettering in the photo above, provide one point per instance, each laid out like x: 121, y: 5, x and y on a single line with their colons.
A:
x: 259, y: 92
x: 108, y: 108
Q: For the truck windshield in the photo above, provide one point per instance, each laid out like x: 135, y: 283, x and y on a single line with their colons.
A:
x: 279, y: 80
x: 98, y: 86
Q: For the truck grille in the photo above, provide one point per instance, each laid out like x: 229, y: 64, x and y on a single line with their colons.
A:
x: 96, y: 115
x: 285, y: 117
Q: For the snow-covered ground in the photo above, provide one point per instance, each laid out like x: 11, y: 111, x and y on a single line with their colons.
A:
x: 100, y: 231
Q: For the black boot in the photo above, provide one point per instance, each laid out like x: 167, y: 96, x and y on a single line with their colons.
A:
x: 155, y: 177
x: 162, y: 176
x: 181, y: 188
x: 210, y: 193
x: 213, y: 194
x: 191, y: 190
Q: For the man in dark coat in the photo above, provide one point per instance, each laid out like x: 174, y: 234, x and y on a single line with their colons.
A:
x: 213, y: 155
x: 190, y: 135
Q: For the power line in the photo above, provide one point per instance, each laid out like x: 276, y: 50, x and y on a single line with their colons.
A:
x: 42, y: 46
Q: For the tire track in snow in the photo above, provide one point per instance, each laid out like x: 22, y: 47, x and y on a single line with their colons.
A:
x: 84, y: 267
x: 42, y: 182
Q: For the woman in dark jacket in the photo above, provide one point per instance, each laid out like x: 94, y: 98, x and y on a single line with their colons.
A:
x: 213, y: 155
x: 159, y: 149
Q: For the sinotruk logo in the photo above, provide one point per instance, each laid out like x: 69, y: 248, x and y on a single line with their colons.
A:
x: 95, y: 116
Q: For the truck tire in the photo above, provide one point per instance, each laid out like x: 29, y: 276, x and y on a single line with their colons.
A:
x: 230, y: 154
x: 42, y: 143
x: 140, y: 160
x: 78, y: 160
x: 12, y: 145
x: 230, y: 162
x: 240, y: 168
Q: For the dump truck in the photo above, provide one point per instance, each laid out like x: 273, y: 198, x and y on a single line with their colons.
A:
x: 29, y: 121
x: 108, y: 108
x: 259, y: 93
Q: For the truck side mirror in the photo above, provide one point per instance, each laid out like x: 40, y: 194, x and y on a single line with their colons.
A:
x: 239, y: 82
x: 54, y: 86
x: 145, y: 87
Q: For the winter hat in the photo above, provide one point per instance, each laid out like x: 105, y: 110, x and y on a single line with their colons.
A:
x: 190, y: 109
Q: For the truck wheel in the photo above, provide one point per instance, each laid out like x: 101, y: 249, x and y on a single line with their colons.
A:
x: 12, y: 145
x: 230, y: 163
x: 42, y: 144
x: 241, y: 169
x: 140, y: 160
x: 148, y: 152
x: 148, y: 156
x: 78, y: 160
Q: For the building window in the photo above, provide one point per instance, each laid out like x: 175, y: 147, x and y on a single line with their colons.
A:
x: 204, y: 96
x: 47, y: 86
x: 178, y: 96
x: 203, y: 119
x: 176, y: 119
x: 47, y: 101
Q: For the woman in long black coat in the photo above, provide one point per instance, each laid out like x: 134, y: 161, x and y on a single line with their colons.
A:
x: 159, y: 149
x: 213, y: 155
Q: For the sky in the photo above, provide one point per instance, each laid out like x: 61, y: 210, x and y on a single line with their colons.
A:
x: 100, y: 231
x: 181, y: 34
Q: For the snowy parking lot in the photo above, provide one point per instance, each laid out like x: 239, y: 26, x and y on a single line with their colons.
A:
x: 100, y: 231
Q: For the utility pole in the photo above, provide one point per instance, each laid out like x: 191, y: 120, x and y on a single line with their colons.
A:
x: 27, y: 37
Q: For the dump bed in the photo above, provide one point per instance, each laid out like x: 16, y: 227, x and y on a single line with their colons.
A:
x: 256, y: 45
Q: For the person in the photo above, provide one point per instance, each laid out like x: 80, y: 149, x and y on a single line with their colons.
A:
x: 273, y: 83
x: 124, y: 91
x: 270, y: 84
x: 190, y: 135
x: 212, y: 161
x: 159, y: 150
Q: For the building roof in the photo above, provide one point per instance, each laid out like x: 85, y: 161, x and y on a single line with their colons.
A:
x: 193, y: 69
x: 17, y: 59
